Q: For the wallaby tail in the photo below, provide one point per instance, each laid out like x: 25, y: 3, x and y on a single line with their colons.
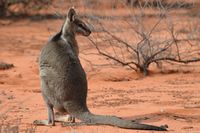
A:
x: 93, y: 119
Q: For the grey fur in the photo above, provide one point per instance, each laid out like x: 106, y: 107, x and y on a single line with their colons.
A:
x: 64, y: 82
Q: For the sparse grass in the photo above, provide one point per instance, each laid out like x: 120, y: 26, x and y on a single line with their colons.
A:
x: 14, y: 126
x: 9, y: 129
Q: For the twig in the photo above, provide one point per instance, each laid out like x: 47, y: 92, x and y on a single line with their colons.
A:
x: 113, y: 58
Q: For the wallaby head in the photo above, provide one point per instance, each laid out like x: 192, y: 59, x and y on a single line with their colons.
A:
x: 74, y: 25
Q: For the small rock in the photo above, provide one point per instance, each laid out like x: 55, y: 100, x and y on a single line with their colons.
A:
x: 4, y: 66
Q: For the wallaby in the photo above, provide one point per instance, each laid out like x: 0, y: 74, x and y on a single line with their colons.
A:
x: 64, y: 83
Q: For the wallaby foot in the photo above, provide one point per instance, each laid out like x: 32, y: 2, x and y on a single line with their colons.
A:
x: 43, y: 123
x: 63, y: 119
x: 50, y: 121
x: 66, y: 118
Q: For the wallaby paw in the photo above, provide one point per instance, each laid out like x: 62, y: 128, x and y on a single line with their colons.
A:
x: 43, y: 123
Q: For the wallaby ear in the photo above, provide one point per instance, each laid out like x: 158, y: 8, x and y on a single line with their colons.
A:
x: 71, y: 14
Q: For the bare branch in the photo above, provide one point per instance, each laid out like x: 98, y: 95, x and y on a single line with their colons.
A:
x: 120, y: 40
x: 113, y: 58
x: 177, y: 60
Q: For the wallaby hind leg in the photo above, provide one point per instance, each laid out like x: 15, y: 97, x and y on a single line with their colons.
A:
x: 50, y: 121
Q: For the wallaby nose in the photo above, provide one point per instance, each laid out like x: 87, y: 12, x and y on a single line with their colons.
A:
x: 88, y: 32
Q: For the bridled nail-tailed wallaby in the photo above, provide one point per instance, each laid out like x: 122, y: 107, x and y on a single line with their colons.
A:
x: 64, y: 83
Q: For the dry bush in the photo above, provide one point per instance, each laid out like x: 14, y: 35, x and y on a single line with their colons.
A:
x: 8, y: 7
x: 163, y: 41
x: 169, y: 4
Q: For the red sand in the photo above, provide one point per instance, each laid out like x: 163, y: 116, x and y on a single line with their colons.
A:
x: 171, y: 98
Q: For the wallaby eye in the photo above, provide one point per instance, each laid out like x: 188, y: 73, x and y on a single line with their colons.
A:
x: 80, y: 25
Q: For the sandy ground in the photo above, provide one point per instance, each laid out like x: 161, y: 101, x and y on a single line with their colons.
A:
x: 170, y: 98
